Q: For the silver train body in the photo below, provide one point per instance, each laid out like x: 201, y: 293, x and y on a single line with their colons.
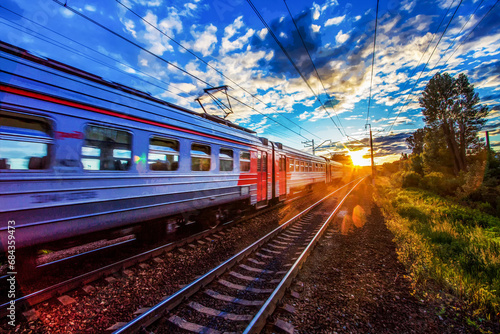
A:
x: 80, y: 155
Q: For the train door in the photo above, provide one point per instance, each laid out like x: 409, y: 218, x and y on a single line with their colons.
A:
x: 261, y: 176
x: 282, y: 176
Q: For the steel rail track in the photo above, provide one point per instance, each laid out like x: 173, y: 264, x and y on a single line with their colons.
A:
x: 58, y: 289
x: 156, y: 312
x: 260, y: 319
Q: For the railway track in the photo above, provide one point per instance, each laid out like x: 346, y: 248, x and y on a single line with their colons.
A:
x: 30, y: 300
x: 242, y: 292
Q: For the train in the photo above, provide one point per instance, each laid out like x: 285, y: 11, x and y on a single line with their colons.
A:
x: 81, y: 156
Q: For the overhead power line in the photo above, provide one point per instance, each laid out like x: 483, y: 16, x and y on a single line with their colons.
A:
x: 290, y: 59
x: 468, y: 35
x: 373, y: 65
x: 208, y: 65
x: 423, y: 69
x: 70, y: 49
x: 312, y: 62
x: 453, y: 42
x: 167, y: 62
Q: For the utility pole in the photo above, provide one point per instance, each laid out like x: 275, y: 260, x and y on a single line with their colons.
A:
x: 371, y: 152
x: 488, y: 141
x: 310, y: 143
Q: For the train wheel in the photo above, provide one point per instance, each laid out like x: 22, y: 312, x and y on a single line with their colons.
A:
x: 211, y: 219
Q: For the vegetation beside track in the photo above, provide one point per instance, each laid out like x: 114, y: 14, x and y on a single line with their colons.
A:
x: 446, y: 248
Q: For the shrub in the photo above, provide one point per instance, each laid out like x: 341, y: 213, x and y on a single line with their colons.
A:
x: 440, y: 183
x: 411, y: 180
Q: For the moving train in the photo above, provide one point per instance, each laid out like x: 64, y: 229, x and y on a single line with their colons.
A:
x: 82, y: 156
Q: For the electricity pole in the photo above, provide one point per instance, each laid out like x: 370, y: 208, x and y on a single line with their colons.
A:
x: 371, y: 151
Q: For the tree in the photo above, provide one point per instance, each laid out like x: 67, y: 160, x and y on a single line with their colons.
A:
x: 452, y: 106
x: 416, y: 141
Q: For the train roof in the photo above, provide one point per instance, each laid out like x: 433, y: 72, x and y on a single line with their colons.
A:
x: 73, y: 71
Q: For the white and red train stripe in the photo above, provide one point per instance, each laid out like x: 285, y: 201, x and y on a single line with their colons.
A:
x: 80, y: 155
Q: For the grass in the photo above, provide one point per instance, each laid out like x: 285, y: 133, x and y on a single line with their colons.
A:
x: 456, y: 247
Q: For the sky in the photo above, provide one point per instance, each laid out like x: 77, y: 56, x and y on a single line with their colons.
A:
x: 295, y: 71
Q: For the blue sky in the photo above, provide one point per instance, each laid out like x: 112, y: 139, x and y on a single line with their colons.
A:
x: 175, y: 49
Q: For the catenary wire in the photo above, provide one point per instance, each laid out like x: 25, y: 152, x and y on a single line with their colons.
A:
x: 423, y: 69
x: 312, y: 62
x: 290, y: 59
x: 208, y: 64
x: 373, y: 65
x: 167, y: 62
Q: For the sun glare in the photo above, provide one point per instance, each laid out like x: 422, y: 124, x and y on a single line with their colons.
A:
x: 358, y: 159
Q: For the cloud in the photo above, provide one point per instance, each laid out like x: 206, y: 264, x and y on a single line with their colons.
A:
x: 66, y: 12
x: 341, y: 38
x: 334, y: 21
x: 205, y: 40
x: 237, y: 43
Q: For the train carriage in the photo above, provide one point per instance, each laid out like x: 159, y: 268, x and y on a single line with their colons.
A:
x: 80, y: 155
x: 304, y: 171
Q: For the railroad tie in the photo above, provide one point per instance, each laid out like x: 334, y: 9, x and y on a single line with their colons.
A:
x: 244, y: 277
x: 192, y: 327
x: 217, y: 313
x: 270, y: 251
x: 243, y: 288
x: 264, y: 256
x: 256, y: 261
x: 231, y: 299
x: 256, y: 270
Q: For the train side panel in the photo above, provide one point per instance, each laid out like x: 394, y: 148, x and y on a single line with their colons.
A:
x: 92, y: 163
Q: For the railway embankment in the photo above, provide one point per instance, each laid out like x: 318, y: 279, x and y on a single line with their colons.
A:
x: 451, y: 253
x: 392, y: 273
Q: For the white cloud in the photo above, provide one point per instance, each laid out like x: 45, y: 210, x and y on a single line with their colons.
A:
x: 315, y: 28
x: 238, y: 43
x: 341, y: 38
x: 205, y: 41
x: 66, y: 12
x: 335, y: 21
x: 130, y: 27
x: 316, y: 11
x: 148, y: 3
x: 262, y: 33
x: 90, y: 8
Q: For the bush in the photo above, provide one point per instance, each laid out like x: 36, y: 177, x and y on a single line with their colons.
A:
x: 440, y: 183
x: 411, y: 180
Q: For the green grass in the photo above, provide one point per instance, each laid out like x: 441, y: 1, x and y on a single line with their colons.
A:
x: 456, y: 247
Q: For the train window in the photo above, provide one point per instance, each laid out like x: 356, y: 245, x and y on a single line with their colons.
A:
x: 297, y: 165
x: 302, y: 166
x: 106, y: 149
x: 282, y: 163
x: 290, y: 165
x: 200, y: 157
x: 26, y: 142
x: 225, y: 160
x: 244, y: 161
x: 163, y: 154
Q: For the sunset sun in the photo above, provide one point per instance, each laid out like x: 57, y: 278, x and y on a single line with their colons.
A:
x: 358, y: 157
